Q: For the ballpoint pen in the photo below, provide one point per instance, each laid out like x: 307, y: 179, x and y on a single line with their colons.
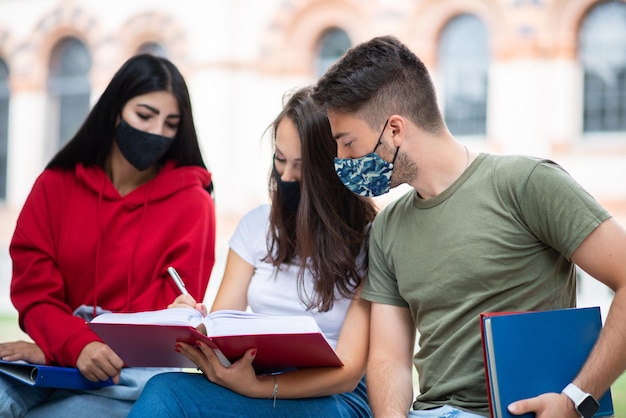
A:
x: 179, y: 282
x: 181, y: 286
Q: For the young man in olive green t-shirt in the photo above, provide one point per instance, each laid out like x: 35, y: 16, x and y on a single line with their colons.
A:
x: 478, y: 233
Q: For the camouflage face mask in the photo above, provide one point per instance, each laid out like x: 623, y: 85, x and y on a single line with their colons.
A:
x: 369, y: 175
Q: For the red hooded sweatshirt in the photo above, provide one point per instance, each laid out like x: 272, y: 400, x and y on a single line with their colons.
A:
x: 78, y: 242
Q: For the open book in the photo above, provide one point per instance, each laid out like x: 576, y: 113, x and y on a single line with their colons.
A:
x: 147, y: 339
x: 49, y: 376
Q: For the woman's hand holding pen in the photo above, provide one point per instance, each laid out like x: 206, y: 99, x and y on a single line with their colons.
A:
x: 187, y: 301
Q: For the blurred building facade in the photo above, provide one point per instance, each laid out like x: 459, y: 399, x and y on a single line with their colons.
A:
x: 538, y: 77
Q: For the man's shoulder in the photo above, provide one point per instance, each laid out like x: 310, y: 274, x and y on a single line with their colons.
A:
x: 515, y: 170
x: 395, y: 207
x: 513, y: 163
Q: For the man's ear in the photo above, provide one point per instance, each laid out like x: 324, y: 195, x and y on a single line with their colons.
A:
x: 398, y: 125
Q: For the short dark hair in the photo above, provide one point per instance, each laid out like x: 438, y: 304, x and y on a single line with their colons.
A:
x: 378, y: 78
x: 141, y: 74
x: 328, y: 234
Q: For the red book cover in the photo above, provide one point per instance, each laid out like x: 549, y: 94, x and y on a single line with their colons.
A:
x: 152, y: 345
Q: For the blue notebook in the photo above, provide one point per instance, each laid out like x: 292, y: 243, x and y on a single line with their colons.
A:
x: 530, y: 353
x: 50, y: 376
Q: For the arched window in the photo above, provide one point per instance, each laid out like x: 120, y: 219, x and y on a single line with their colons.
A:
x: 4, y: 126
x: 463, y: 62
x: 332, y: 45
x: 152, y: 48
x: 68, y: 88
x: 603, y: 58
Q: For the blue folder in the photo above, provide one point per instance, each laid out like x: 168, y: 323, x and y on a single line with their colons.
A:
x: 50, y: 376
x: 530, y: 353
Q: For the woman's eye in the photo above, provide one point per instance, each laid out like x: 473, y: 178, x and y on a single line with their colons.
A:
x: 172, y: 125
x: 143, y: 116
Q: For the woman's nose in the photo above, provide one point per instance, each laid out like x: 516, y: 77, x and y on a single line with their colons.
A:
x: 289, y: 174
x: 156, y: 130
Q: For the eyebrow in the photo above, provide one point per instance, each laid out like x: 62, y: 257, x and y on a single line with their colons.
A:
x: 157, y: 111
x: 278, y: 149
x: 340, y: 135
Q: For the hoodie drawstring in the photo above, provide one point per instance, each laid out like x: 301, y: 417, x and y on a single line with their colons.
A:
x: 98, y: 236
x: 132, y: 257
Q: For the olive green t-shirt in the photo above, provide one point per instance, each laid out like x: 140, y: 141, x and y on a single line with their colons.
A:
x: 498, y: 239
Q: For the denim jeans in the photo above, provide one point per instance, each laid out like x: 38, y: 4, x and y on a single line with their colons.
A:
x: 443, y: 412
x: 18, y: 399
x: 193, y: 395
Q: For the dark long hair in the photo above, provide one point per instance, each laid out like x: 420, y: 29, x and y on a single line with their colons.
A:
x: 328, y: 233
x: 141, y: 74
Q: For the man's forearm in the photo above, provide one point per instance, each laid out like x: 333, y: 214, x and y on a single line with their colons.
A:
x: 607, y: 362
x: 389, y: 389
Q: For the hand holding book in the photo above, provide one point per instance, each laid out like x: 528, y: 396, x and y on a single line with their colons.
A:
x: 527, y: 354
x: 22, y: 351
x: 148, y: 339
x: 49, y: 376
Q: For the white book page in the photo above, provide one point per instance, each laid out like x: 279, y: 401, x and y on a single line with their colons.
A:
x: 173, y: 316
x: 218, y: 323
x: 228, y: 322
x: 495, y: 392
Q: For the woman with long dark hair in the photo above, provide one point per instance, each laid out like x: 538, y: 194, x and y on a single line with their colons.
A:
x: 121, y: 202
x: 302, y: 255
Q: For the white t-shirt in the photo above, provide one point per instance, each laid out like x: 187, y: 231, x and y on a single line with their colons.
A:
x: 277, y: 294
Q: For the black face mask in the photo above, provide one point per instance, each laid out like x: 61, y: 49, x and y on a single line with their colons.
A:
x: 141, y: 149
x: 289, y: 191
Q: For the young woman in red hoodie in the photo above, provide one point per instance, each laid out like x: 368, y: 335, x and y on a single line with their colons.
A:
x: 128, y: 196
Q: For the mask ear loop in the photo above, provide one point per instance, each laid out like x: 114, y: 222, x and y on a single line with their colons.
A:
x: 395, y: 155
x: 380, y: 137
